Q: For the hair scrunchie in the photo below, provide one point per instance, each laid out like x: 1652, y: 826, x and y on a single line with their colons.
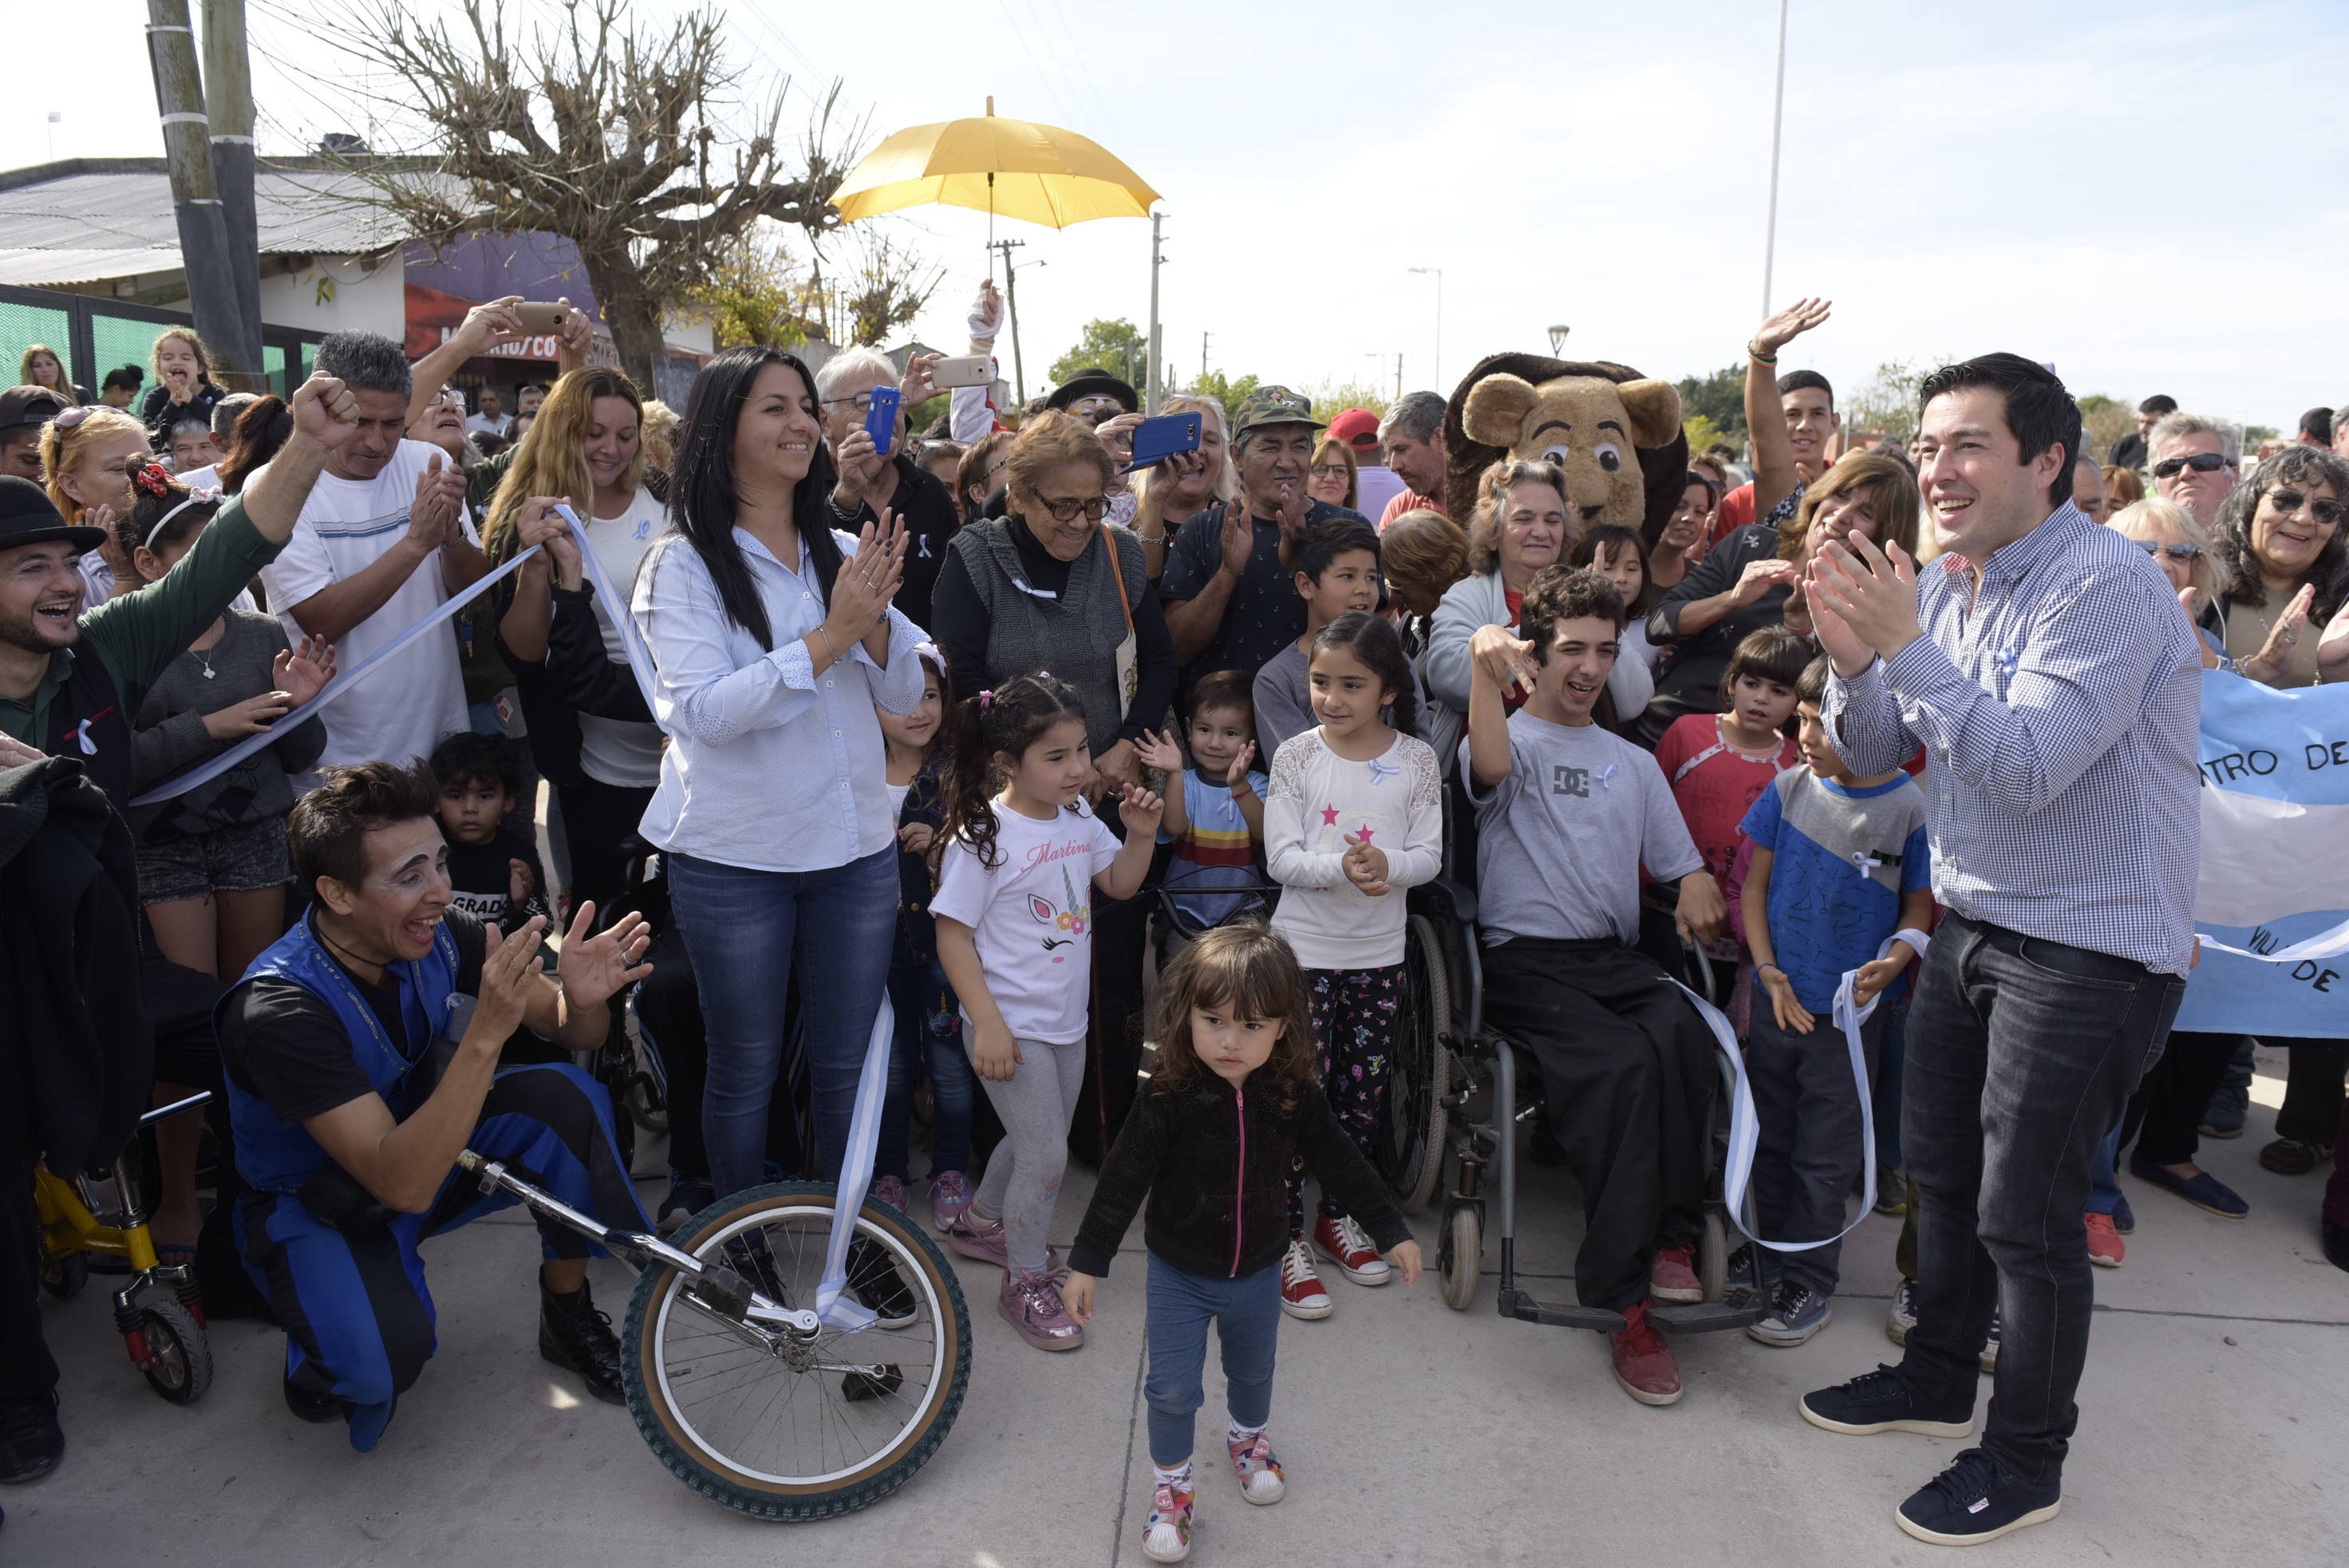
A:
x: 986, y: 701
x: 154, y: 479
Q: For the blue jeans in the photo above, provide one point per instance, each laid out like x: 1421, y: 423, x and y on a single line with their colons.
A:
x: 1892, y: 1063
x: 1247, y: 1313
x: 2022, y: 1054
x: 746, y: 933
x: 929, y: 1030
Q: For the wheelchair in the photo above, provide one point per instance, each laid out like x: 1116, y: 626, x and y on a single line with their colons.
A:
x: 1449, y: 1059
x: 102, y: 1213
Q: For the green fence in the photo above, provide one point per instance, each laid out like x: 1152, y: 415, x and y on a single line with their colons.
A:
x: 95, y: 336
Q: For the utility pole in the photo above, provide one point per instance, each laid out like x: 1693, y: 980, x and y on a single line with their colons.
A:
x: 195, y: 200
x: 1438, y: 272
x: 1203, y: 358
x: 1777, y: 123
x: 1011, y: 301
x: 228, y: 104
x: 1157, y: 260
x: 1398, y: 377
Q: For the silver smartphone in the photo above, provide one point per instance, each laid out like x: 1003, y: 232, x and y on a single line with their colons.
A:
x: 964, y: 370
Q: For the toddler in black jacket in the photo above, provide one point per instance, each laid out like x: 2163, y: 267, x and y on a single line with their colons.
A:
x: 1233, y: 1100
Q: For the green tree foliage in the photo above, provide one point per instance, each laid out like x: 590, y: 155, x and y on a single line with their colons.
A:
x: 1721, y: 398
x: 1703, y: 432
x: 1332, y: 396
x: 2102, y: 421
x: 1227, y: 390
x: 1117, y: 346
x: 756, y: 295
x: 1887, y: 402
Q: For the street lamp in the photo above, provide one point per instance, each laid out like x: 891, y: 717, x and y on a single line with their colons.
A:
x: 1438, y: 272
x: 1557, y: 338
x: 1777, y: 123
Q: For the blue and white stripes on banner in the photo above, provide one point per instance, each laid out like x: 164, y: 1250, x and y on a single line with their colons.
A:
x: 2272, y: 905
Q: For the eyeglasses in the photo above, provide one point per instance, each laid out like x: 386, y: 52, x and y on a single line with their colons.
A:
x: 1066, y: 511
x: 2200, y: 463
x: 1329, y: 471
x: 2174, y: 552
x: 861, y: 402
x: 2290, y: 501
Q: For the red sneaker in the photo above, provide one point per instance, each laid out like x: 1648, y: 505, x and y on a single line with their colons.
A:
x: 1301, y: 1295
x: 1343, y: 1243
x: 1673, y: 1276
x: 1643, y: 1363
x: 2105, y: 1248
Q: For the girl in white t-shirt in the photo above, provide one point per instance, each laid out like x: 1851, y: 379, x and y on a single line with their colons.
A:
x: 1355, y: 815
x: 1014, y: 912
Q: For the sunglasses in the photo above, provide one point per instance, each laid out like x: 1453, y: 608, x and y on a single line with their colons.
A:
x: 2174, y: 552
x: 1066, y: 511
x: 2290, y: 500
x: 72, y: 416
x: 2200, y: 463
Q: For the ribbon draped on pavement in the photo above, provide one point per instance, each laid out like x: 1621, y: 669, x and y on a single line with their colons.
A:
x: 1745, y: 1123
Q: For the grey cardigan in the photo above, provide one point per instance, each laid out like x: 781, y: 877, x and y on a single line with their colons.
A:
x: 170, y: 737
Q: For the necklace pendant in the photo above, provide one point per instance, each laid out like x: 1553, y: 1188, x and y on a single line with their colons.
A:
x: 208, y: 672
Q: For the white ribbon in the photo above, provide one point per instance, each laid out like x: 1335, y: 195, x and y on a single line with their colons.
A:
x: 833, y: 1304
x: 1745, y: 1123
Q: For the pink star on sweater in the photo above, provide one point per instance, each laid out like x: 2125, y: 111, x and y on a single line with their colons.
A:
x: 1366, y: 833
x: 1329, y: 817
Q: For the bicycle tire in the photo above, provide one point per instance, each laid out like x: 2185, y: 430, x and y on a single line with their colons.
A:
x: 782, y: 1499
x: 179, y: 1367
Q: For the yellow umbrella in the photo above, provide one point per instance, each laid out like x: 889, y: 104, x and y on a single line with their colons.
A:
x: 1014, y: 167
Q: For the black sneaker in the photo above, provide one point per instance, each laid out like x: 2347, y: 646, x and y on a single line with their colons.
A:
x: 315, y: 1408
x: 879, y: 1285
x: 1975, y: 1500
x: 31, y: 1441
x: 572, y: 1334
x: 1884, y: 1401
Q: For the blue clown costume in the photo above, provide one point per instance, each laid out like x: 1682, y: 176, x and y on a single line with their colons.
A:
x: 349, y: 1288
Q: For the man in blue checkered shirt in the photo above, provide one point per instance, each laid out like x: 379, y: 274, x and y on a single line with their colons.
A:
x: 2054, y: 683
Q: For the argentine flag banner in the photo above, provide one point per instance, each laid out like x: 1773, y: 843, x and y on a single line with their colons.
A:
x: 2275, y: 862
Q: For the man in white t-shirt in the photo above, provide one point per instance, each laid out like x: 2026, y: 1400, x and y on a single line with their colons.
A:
x: 381, y: 544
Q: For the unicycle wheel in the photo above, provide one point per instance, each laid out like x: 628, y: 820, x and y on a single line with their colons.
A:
x: 810, y: 1429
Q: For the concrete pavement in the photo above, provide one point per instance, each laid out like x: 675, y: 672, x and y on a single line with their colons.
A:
x: 2214, y: 1408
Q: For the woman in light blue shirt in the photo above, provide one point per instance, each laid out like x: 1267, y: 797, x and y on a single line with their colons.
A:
x: 774, y: 637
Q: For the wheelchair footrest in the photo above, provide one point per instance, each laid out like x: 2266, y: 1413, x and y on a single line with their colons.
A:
x: 1705, y: 1317
x: 1560, y: 1314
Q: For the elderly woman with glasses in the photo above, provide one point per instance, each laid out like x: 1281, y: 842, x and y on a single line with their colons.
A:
x: 2279, y: 531
x: 1050, y: 586
x: 2186, y: 556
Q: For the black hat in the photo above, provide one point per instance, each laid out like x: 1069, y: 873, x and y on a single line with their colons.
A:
x: 29, y: 406
x: 1092, y: 384
x: 27, y: 516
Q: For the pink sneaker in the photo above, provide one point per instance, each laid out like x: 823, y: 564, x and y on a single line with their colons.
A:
x: 1166, y: 1533
x: 889, y: 1190
x: 1673, y: 1276
x: 1031, y: 1305
x: 949, y: 1195
x: 987, y: 1243
x: 1259, y: 1469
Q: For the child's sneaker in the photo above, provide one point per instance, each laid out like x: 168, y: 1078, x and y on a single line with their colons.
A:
x: 1673, y: 1276
x: 1166, y: 1533
x: 988, y: 1244
x: 1301, y: 1295
x: 1797, y: 1312
x: 889, y: 1190
x: 1990, y: 1345
x: 1259, y: 1469
x: 2105, y: 1248
x: 1902, y: 1317
x: 1031, y: 1305
x: 949, y: 1195
x: 1341, y: 1242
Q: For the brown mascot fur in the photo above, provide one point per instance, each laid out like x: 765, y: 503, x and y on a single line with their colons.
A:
x: 1589, y: 417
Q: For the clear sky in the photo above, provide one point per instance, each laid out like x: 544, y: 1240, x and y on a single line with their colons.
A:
x: 2147, y: 196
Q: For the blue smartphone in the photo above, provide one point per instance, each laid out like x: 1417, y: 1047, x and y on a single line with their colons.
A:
x: 881, y: 419
x: 1155, y: 441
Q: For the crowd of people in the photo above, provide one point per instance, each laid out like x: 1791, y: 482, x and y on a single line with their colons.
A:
x: 1110, y: 785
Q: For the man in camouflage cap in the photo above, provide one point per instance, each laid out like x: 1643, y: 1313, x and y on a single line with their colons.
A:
x: 1230, y: 600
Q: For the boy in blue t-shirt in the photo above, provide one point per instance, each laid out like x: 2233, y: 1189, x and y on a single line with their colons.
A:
x: 1839, y: 863
x: 1215, y: 807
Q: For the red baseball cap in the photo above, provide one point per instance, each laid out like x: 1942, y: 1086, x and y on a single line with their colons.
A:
x: 1358, y: 428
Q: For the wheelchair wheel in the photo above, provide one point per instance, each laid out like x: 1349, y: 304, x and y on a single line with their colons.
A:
x: 179, y: 1364
x: 1460, y: 1263
x: 641, y: 1099
x: 1411, y: 1145
x: 788, y: 1435
x: 62, y: 1274
x: 1713, y: 1257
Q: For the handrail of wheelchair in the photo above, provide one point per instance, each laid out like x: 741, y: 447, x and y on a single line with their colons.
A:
x: 149, y: 1118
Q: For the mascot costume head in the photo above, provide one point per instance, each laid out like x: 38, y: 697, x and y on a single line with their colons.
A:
x: 1616, y: 433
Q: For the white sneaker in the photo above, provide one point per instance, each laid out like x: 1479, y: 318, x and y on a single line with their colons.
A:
x: 1301, y: 1295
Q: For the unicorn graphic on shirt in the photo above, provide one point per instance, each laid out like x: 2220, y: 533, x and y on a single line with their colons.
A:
x: 1074, y: 919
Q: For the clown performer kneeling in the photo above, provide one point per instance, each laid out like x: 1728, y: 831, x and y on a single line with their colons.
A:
x: 362, y: 1057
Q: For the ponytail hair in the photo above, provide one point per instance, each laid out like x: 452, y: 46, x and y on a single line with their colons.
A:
x: 1007, y: 720
x: 702, y: 499
x: 1372, y: 639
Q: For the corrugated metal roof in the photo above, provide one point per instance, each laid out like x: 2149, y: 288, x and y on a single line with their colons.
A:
x: 87, y: 226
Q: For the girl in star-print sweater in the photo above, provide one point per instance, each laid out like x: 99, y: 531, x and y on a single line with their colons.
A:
x: 1354, y: 817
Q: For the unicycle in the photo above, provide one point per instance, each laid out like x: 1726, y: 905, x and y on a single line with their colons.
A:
x: 740, y: 1388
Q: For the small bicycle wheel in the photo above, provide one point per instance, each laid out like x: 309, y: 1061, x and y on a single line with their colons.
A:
x: 179, y: 1357
x: 62, y: 1274
x: 805, y: 1429
x: 1411, y: 1143
x: 1462, y: 1260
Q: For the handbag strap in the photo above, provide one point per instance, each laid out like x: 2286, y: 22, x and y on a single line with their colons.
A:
x: 1117, y: 573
